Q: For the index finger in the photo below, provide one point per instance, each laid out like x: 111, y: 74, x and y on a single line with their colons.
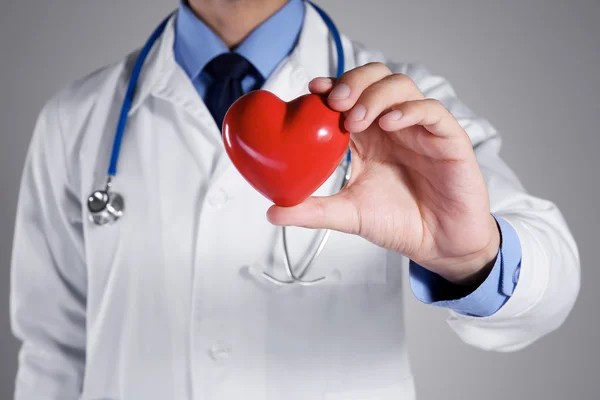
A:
x: 345, y: 91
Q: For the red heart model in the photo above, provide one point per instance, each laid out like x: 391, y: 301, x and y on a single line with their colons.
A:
x: 286, y: 151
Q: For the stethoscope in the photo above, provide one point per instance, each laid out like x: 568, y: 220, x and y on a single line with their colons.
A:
x: 106, y: 206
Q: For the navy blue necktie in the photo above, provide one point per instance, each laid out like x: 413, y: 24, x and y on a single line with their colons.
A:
x: 227, y: 72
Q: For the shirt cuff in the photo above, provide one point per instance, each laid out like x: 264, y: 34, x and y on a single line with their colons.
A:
x: 490, y: 296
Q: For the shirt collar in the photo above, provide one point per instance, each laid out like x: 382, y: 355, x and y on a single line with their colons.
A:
x: 196, y: 44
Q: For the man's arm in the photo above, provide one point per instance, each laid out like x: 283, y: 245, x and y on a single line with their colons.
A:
x: 48, y: 277
x: 547, y: 260
x: 427, y: 182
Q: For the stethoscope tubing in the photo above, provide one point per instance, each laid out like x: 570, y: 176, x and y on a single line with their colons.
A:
x: 111, y: 213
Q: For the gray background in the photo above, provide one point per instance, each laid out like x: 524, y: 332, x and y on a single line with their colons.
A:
x: 530, y: 66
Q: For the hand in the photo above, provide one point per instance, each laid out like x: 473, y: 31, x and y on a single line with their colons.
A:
x: 416, y: 187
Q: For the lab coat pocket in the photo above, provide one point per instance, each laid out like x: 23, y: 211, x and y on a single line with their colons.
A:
x: 355, y: 260
x: 344, y: 259
x: 403, y: 390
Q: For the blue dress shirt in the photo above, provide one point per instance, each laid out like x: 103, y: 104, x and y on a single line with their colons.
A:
x: 196, y: 44
x: 486, y: 299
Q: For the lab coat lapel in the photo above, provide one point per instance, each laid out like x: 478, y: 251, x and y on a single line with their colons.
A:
x: 163, y: 78
x: 314, y: 55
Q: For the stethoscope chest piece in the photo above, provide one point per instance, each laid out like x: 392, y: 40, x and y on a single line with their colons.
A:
x: 105, y: 207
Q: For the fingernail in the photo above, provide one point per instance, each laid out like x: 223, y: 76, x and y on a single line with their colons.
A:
x: 323, y: 81
x: 394, y: 115
x: 340, y: 92
x: 358, y: 113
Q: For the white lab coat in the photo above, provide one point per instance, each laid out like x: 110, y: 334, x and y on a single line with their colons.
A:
x: 167, y: 303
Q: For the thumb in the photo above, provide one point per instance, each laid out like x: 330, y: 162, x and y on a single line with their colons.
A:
x: 335, y: 212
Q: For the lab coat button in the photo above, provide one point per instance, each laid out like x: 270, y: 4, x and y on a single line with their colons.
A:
x: 220, y: 351
x: 218, y: 198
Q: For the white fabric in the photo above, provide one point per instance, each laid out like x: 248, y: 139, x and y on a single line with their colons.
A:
x: 166, y: 304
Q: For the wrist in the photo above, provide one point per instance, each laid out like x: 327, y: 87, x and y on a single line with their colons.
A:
x: 475, y: 268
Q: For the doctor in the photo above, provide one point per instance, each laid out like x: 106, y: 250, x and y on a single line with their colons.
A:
x: 170, y: 301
